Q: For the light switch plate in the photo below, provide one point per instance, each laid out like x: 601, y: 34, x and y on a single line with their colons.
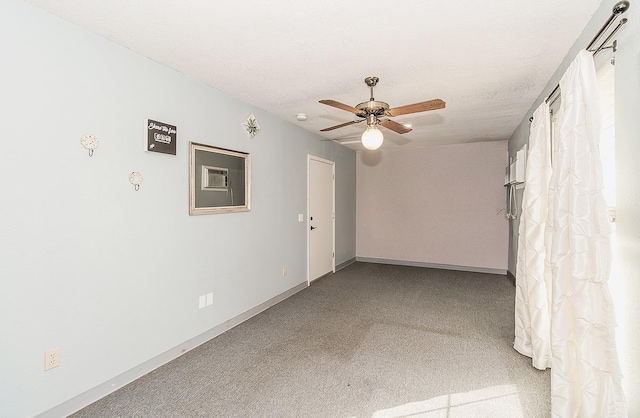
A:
x: 202, y: 301
x: 209, y: 298
x: 300, y: 217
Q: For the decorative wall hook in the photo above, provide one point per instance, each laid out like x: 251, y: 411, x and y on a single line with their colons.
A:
x: 135, y: 178
x: 251, y: 125
x: 90, y: 142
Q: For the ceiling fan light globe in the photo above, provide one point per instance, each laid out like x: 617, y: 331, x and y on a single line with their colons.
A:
x: 372, y: 138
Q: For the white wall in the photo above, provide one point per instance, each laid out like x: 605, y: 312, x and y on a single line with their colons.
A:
x: 110, y: 275
x: 628, y: 204
x: 626, y: 284
x: 435, y: 205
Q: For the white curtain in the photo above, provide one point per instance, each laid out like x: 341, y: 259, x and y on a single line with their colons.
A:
x: 585, y: 376
x: 533, y: 280
x: 564, y: 313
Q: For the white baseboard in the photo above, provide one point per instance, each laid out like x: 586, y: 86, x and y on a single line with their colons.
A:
x: 432, y: 265
x: 78, y: 402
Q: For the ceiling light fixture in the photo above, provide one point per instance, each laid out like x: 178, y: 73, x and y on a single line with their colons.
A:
x: 372, y: 137
x: 301, y: 117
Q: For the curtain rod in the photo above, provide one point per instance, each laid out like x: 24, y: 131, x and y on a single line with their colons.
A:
x: 619, y: 8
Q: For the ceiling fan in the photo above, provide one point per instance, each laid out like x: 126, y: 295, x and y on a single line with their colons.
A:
x: 373, y: 110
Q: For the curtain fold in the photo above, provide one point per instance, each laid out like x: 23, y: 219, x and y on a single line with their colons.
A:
x: 585, y: 375
x: 533, y: 275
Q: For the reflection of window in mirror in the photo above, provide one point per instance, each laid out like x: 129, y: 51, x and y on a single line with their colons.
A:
x: 215, y: 178
x: 213, y: 170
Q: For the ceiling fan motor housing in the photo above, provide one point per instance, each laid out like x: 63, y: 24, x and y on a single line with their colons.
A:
x: 372, y: 107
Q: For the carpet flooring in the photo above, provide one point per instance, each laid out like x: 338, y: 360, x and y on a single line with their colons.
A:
x: 372, y: 340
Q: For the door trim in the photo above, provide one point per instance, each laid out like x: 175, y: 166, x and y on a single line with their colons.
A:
x: 333, y: 210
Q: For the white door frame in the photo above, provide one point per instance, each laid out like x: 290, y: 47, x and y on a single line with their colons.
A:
x: 333, y: 210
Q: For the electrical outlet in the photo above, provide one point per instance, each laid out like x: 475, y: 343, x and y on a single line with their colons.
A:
x: 284, y: 271
x: 52, y: 358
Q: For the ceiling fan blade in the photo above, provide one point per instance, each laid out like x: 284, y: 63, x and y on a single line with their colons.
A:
x: 341, y: 106
x: 395, y: 126
x: 416, y: 107
x: 342, y: 125
x: 351, y: 142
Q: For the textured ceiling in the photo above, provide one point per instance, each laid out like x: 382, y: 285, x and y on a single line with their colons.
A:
x: 488, y: 60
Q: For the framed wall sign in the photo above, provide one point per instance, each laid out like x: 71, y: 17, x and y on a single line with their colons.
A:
x: 161, y: 137
x: 219, y: 180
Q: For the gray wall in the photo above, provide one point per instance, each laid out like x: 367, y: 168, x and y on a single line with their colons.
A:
x: 110, y: 275
x: 625, y: 282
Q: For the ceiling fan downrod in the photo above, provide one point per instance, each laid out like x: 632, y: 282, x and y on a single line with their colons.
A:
x: 371, y: 82
x: 372, y: 106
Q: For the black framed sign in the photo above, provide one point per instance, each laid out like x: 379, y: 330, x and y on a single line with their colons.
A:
x: 161, y: 137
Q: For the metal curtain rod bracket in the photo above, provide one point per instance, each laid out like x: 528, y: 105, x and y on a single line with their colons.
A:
x: 606, y: 41
x: 619, y: 8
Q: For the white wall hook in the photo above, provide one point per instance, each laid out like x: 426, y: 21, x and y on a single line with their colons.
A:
x: 90, y: 142
x: 136, y: 179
